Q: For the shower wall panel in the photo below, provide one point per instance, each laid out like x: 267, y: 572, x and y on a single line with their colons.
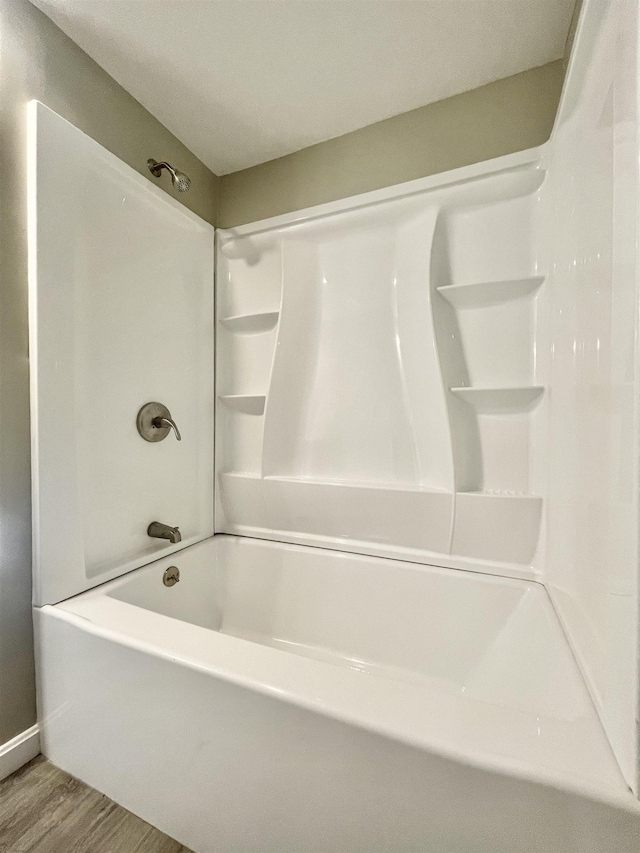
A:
x: 376, y: 371
x: 121, y: 314
x: 592, y: 492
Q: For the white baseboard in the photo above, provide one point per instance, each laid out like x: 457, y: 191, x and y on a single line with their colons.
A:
x: 17, y: 751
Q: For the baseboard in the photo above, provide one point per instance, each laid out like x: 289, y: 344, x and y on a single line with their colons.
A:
x: 17, y: 751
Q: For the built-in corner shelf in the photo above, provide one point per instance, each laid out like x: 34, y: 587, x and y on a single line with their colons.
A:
x: 251, y: 324
x: 508, y: 494
x: 501, y: 401
x: 248, y: 404
x: 485, y: 293
x: 500, y: 186
x: 339, y: 483
x: 497, y: 525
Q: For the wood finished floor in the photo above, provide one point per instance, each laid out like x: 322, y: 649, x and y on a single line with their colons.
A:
x: 44, y: 810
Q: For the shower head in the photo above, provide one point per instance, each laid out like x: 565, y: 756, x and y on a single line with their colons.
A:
x: 179, y: 180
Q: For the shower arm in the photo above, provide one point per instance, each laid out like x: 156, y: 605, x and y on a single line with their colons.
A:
x: 179, y: 180
x: 156, y: 167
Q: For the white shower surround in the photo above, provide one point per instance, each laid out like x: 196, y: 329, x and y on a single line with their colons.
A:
x: 491, y: 310
x: 399, y: 393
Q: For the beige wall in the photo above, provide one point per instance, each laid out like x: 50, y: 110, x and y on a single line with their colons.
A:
x: 38, y: 61
x: 500, y: 118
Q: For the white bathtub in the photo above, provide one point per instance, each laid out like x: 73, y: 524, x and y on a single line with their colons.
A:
x: 292, y: 699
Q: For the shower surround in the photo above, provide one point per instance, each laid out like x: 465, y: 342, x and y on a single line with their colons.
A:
x: 386, y: 398
x: 418, y: 629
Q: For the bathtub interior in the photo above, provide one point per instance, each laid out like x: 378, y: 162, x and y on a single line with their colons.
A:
x: 396, y: 620
x: 196, y: 599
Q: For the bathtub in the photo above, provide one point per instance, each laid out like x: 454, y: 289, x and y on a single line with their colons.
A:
x: 292, y: 699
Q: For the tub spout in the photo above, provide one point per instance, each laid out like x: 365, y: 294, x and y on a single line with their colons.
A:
x: 158, y: 530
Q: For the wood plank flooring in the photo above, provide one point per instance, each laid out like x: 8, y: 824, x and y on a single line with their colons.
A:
x: 44, y: 810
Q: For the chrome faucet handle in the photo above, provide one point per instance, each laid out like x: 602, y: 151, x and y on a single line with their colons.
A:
x: 164, y: 422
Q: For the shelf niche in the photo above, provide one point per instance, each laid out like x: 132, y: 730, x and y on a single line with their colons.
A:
x: 251, y: 324
x: 248, y: 404
x: 487, y: 293
x: 501, y: 401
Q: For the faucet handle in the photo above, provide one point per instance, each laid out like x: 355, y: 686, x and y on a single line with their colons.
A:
x: 164, y: 423
x: 154, y: 422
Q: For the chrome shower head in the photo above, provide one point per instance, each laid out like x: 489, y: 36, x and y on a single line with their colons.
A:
x: 179, y: 180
